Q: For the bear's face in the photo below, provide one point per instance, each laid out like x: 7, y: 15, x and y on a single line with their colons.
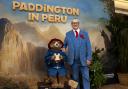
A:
x: 55, y: 44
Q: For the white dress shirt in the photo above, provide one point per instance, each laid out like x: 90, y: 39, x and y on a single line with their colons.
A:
x: 78, y: 30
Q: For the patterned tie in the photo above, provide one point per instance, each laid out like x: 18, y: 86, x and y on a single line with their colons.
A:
x: 76, y: 34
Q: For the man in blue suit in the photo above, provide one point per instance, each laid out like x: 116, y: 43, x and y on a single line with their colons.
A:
x: 79, y: 53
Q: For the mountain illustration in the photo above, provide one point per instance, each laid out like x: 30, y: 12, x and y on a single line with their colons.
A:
x: 52, y: 32
x: 18, y: 56
x: 29, y: 33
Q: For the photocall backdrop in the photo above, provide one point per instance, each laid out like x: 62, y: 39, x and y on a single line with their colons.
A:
x: 26, y: 27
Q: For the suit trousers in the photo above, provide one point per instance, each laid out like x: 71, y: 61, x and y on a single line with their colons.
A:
x: 84, y: 71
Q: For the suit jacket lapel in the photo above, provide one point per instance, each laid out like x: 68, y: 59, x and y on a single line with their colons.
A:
x: 81, y: 32
x: 73, y: 35
x: 73, y: 38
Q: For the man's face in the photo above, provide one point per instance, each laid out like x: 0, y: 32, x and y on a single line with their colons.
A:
x: 75, y: 25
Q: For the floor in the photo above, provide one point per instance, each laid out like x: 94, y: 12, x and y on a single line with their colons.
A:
x: 114, y: 86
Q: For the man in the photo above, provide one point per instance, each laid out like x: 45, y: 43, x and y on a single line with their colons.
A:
x: 79, y: 53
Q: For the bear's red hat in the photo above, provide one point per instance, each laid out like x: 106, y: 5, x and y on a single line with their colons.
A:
x: 55, y: 40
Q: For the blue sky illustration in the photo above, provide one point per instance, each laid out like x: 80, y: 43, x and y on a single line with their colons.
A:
x: 93, y: 9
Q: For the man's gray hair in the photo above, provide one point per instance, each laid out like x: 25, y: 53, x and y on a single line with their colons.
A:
x: 75, y: 20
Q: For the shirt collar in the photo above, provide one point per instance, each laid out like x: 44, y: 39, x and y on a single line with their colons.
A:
x: 78, y: 30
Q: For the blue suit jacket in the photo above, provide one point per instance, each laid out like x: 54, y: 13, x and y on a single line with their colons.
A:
x: 85, y: 48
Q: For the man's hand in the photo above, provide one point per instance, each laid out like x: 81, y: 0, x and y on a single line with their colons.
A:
x: 63, y: 49
x: 89, y: 62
